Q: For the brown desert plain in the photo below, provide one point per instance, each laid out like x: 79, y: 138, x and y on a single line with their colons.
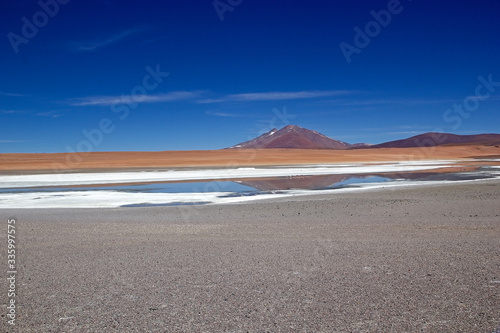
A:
x: 234, y: 158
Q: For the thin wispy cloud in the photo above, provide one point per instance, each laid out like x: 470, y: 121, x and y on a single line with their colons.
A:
x: 483, y: 98
x: 13, y: 111
x: 223, y: 114
x: 275, y: 96
x: 50, y: 114
x: 232, y: 115
x: 373, y: 102
x: 413, y: 101
x: 4, y: 93
x: 12, y: 141
x: 404, y: 133
x: 94, y: 45
x: 393, y: 130
x: 408, y: 127
x: 129, y: 99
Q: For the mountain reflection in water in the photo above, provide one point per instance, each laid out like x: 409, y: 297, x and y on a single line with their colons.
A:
x: 321, y: 182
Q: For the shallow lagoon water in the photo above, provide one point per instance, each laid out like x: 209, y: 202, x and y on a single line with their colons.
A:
x: 226, y: 191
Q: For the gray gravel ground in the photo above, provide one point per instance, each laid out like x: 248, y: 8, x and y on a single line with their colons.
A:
x: 403, y: 260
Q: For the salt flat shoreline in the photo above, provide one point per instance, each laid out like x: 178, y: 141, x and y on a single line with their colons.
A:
x: 67, y: 190
x: 404, y: 259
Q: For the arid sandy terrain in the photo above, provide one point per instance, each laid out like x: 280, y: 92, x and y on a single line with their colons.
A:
x: 403, y: 260
x: 232, y: 157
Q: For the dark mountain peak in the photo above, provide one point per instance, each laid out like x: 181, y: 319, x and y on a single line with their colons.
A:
x: 432, y: 139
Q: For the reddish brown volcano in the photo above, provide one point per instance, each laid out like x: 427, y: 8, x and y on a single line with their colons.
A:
x: 293, y: 137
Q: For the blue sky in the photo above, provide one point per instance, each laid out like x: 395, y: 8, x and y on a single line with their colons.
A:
x: 183, y: 75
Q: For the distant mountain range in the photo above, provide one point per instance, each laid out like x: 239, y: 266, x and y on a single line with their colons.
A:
x: 432, y: 139
x: 296, y: 137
